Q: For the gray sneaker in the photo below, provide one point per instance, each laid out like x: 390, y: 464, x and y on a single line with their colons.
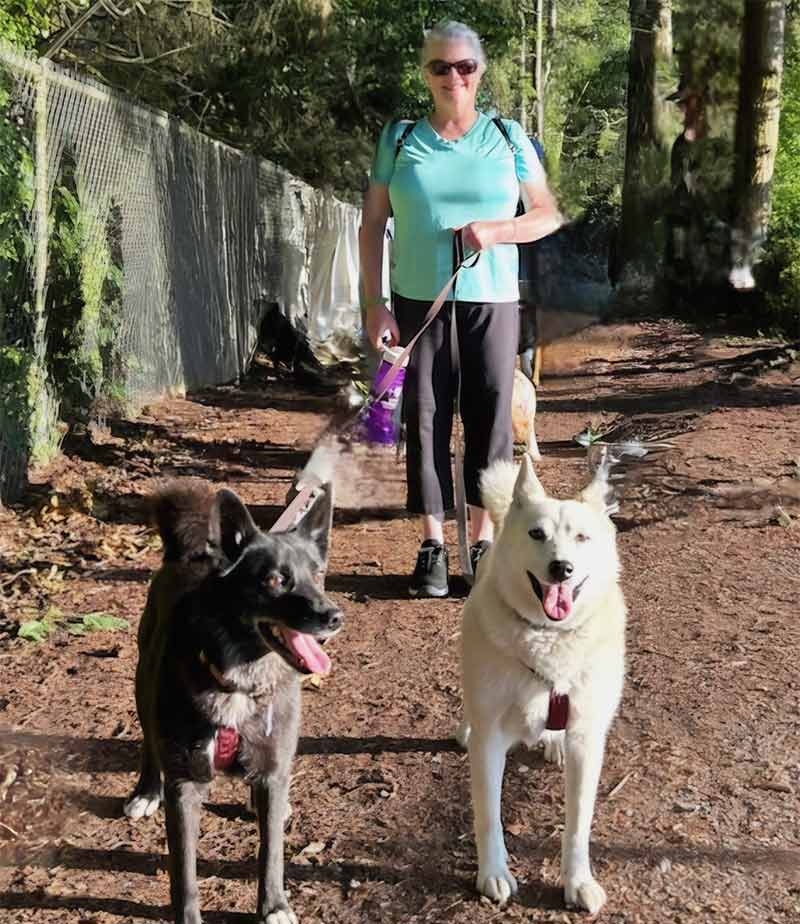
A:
x: 430, y: 573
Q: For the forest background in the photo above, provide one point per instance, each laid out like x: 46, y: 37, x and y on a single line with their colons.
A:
x: 309, y: 83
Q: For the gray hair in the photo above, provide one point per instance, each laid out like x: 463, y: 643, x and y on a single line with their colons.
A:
x: 453, y: 32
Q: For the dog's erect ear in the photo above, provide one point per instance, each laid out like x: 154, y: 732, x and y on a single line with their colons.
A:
x: 527, y: 485
x: 317, y: 522
x: 231, y: 525
x: 600, y: 493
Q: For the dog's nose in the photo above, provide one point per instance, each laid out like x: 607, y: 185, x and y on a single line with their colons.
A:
x: 560, y: 570
x: 332, y: 619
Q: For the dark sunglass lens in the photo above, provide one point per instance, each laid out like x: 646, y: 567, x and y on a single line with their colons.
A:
x: 466, y: 67
x: 439, y: 68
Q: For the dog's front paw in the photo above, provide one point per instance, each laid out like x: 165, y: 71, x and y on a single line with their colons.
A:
x: 281, y: 916
x: 553, y: 742
x: 497, y: 884
x: 142, y: 805
x: 587, y: 894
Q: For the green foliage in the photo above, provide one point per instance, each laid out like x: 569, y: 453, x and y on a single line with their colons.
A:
x: 781, y: 271
x: 17, y: 397
x: 26, y: 23
x: 83, y: 305
x: 39, y: 630
x: 706, y: 42
x: 585, y: 102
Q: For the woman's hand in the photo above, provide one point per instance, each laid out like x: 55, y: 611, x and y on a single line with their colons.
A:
x: 380, y: 323
x: 480, y: 235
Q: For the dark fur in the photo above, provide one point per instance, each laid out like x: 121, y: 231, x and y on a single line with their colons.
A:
x: 204, y: 607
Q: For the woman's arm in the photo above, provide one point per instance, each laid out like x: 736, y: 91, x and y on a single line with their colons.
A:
x: 379, y: 319
x: 541, y: 218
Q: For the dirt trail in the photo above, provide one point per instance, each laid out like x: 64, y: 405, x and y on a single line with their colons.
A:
x: 698, y: 817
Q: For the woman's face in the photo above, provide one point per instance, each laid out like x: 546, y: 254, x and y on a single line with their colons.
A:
x: 452, y: 89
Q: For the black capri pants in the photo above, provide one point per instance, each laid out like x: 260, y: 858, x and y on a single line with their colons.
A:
x: 488, y: 334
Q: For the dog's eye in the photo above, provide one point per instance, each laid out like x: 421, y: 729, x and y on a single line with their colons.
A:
x: 537, y: 533
x: 581, y: 537
x: 277, y: 580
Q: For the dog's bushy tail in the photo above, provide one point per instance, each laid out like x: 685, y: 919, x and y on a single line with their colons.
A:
x: 182, y: 512
x: 497, y: 489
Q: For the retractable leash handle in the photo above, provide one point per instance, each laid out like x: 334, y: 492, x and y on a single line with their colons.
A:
x: 459, y: 263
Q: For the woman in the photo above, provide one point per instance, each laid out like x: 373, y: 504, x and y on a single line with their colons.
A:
x: 453, y: 169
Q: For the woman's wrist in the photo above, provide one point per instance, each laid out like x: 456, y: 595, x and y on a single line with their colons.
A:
x: 378, y: 301
x: 511, y: 231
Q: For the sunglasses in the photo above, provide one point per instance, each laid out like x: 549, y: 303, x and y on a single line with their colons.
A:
x: 441, y: 68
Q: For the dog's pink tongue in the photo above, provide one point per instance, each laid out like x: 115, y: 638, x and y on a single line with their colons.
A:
x: 558, y: 601
x: 308, y: 650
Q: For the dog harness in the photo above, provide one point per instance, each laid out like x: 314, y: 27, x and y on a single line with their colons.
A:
x: 227, y: 738
x: 557, y: 711
x: 226, y: 747
x: 557, y: 708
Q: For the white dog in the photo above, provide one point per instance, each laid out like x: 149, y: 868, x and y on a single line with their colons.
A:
x: 543, y: 649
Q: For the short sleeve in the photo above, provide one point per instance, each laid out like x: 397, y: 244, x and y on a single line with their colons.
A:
x: 529, y: 167
x: 383, y: 161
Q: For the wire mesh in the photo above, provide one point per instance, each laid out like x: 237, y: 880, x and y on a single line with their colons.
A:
x: 182, y: 242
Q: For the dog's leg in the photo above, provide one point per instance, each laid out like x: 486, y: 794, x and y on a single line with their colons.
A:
x: 487, y: 761
x: 584, y: 759
x: 553, y: 742
x: 148, y: 793
x: 250, y: 805
x: 271, y: 802
x: 182, y: 801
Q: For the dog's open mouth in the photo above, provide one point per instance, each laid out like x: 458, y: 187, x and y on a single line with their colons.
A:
x: 300, y: 650
x: 557, y: 599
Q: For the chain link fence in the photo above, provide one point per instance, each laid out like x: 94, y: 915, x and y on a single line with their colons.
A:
x: 137, y: 256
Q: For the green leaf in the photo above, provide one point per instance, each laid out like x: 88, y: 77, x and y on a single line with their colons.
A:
x: 104, y: 622
x: 35, y: 630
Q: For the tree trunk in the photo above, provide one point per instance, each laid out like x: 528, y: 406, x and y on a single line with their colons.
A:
x: 523, y: 71
x: 757, y: 120
x: 647, y: 152
x: 540, y: 70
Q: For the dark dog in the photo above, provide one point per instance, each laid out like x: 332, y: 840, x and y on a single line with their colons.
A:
x: 234, y: 617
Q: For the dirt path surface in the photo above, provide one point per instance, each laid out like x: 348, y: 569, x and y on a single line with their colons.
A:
x: 698, y: 816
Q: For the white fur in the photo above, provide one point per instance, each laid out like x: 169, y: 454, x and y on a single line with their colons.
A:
x: 513, y: 655
x: 282, y: 917
x: 141, y: 806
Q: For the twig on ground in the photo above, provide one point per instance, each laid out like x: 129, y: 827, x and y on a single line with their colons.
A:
x: 8, y: 828
x: 616, y: 790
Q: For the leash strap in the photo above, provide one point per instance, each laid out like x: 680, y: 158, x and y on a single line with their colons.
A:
x: 292, y: 514
x: 455, y: 362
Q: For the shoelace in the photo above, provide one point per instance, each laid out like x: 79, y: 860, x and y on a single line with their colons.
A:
x: 428, y: 553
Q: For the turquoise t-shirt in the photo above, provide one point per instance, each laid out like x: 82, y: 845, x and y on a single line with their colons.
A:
x: 436, y: 185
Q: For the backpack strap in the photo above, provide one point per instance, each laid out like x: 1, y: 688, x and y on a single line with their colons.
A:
x: 513, y: 148
x: 402, y: 139
x: 504, y: 132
